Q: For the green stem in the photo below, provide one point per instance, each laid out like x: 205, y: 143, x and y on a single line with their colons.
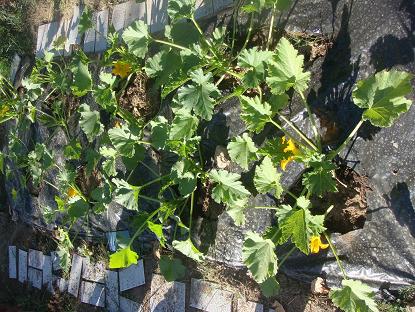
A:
x: 266, y: 207
x: 171, y: 44
x: 271, y: 26
x: 142, y: 227
x: 287, y: 133
x: 211, y: 48
x: 344, y: 144
x: 150, y: 198
x: 299, y: 132
x: 50, y: 184
x: 313, y: 121
x: 286, y: 256
x: 248, y: 35
x: 291, y: 194
x: 260, y: 93
x: 144, y: 142
x: 237, y: 92
x: 333, y: 249
x: 153, y: 181
x: 192, y: 198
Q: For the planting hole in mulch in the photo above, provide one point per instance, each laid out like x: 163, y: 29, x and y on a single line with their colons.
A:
x: 140, y: 98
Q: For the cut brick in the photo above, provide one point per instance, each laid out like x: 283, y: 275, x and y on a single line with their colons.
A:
x: 89, y: 39
x: 111, y: 289
x: 93, y: 293
x: 93, y: 272
x: 56, y: 264
x: 74, y: 37
x: 167, y: 296
x: 134, y: 11
x: 118, y: 16
x: 35, y: 277
x: 203, y: 8
x: 47, y: 271
x: 102, y: 31
x: 208, y: 297
x: 249, y: 306
x: 22, y: 266
x: 132, y: 277
x: 36, y: 259
x: 156, y: 15
x: 75, y: 276
x: 12, y: 262
x: 127, y: 305
x: 60, y: 283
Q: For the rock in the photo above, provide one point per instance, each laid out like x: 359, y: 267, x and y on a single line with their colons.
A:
x: 209, y: 297
x: 12, y: 262
x: 222, y: 159
x: 318, y: 287
x: 132, y: 277
x: 167, y: 296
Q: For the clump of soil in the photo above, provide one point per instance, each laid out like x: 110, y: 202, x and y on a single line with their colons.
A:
x: 140, y: 98
x: 350, y: 204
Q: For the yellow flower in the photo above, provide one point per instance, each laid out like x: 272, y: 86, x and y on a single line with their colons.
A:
x: 117, y: 124
x: 292, y: 149
x: 4, y: 110
x: 72, y: 192
x: 316, y: 244
x: 121, y: 69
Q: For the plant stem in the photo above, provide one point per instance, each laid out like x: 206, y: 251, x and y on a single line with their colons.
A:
x: 50, y: 184
x: 313, y: 121
x: 287, y: 133
x: 291, y: 194
x: 192, y: 198
x: 333, y: 249
x: 211, y: 48
x: 299, y: 132
x: 266, y: 207
x: 150, y: 198
x: 141, y: 228
x: 344, y: 144
x: 154, y: 181
x: 286, y: 256
x: 144, y: 142
x: 271, y: 26
x: 171, y: 44
x: 251, y: 23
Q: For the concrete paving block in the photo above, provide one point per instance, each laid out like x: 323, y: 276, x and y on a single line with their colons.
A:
x: 12, y: 262
x: 134, y: 11
x: 15, y: 67
x: 60, y: 283
x: 208, y: 297
x: 47, y: 270
x: 127, y: 305
x: 118, y: 16
x: 22, y: 266
x: 132, y: 277
x: 75, y: 275
x: 89, y: 39
x: 219, y: 5
x: 92, y: 293
x: 74, y: 37
x: 111, y: 290
x: 157, y: 16
x: 248, y: 306
x: 35, y: 277
x: 62, y: 32
x: 94, y: 272
x: 40, y: 34
x: 114, y: 237
x: 102, y: 31
x: 203, y: 8
x: 36, y: 259
x: 167, y: 296
x: 49, y: 36
x: 56, y: 261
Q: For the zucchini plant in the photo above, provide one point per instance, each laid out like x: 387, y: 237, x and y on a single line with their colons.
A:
x: 188, y: 68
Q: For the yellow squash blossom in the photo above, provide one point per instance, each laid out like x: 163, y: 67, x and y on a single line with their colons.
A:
x: 72, y: 192
x: 117, y: 124
x: 291, y: 148
x: 316, y: 244
x: 121, y: 69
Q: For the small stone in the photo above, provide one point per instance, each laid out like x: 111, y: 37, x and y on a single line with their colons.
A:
x: 127, y: 305
x: 249, y: 306
x: 167, y: 296
x: 132, y: 277
x: 410, y: 309
x: 93, y: 272
x: 209, y: 297
x: 222, y: 159
x: 75, y: 275
x: 318, y: 287
x: 111, y: 289
x: 277, y: 307
x: 36, y: 259
x: 12, y: 262
x: 22, y: 266
x: 92, y: 293
x: 35, y: 277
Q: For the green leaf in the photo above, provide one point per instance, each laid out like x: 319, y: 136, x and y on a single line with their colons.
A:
x: 90, y: 122
x: 104, y: 95
x: 354, y: 296
x: 73, y: 150
x: 254, y: 60
x: 259, y: 256
x: 126, y: 194
x: 123, y: 140
x: 159, y: 132
x: 255, y: 6
x: 184, y: 125
x: 157, y: 229
x: 228, y: 189
x: 294, y: 227
x: 242, y: 150
x: 85, y: 22
x: 280, y: 5
x: 77, y: 207
x: 285, y: 70
x: 183, y: 176
x: 383, y: 96
x: 254, y: 113
x: 123, y: 258
x: 172, y: 268
x: 109, y: 164
x: 137, y: 38
x: 320, y: 179
x: 130, y: 163
x: 200, y: 95
x: 274, y: 149
x: 188, y: 249
x: 270, y: 287
x: 92, y: 158
x: 267, y: 178
x: 82, y: 81
x: 236, y: 210
x: 178, y: 9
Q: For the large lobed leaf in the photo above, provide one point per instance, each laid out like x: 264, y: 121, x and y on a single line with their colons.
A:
x: 90, y: 122
x: 126, y: 194
x: 178, y: 9
x: 254, y: 61
x: 259, y: 256
x: 285, y: 70
x: 188, y: 249
x: 137, y: 38
x: 383, y: 96
x: 254, y: 113
x: 184, y: 126
x: 242, y: 150
x: 123, y: 140
x: 320, y: 179
x: 228, y: 189
x: 123, y: 258
x: 82, y: 81
x: 171, y: 268
x: 267, y: 178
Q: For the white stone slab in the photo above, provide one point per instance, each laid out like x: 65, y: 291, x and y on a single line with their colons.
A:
x: 14, y: 67
x: 127, y: 305
x: 36, y: 259
x: 40, y: 33
x: 134, y: 11
x: 22, y: 266
x: 73, y: 34
x: 157, y: 14
x: 102, y: 31
x: 133, y: 276
x: 75, y: 275
x: 248, y: 306
x: 203, y: 8
x: 167, y: 296
x: 62, y: 32
x: 112, y: 292
x: 49, y: 35
x: 12, y: 262
x: 94, y: 272
x: 92, y: 293
x: 118, y: 16
x: 35, y: 277
x: 47, y: 270
x: 89, y: 39
x: 56, y: 261
x: 60, y: 283
x: 208, y: 297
